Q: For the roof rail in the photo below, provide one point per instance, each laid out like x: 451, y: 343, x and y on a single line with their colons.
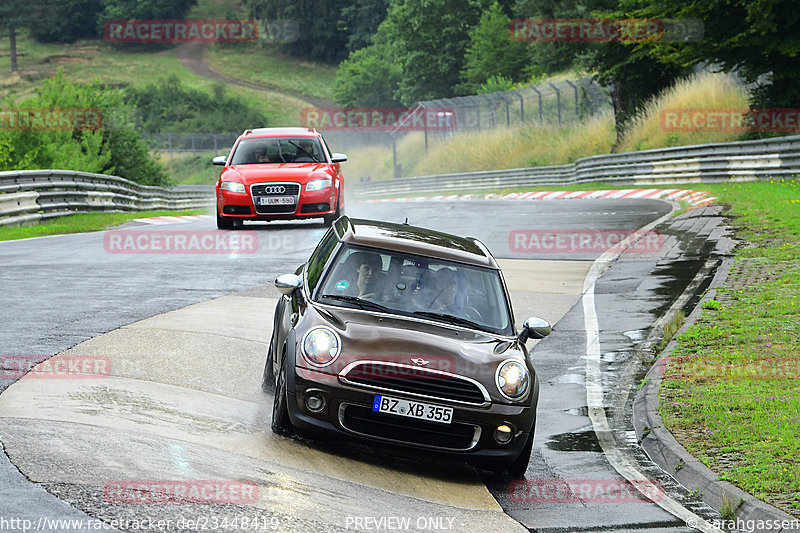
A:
x: 247, y: 132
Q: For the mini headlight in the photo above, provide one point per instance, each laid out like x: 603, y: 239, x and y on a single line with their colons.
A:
x: 233, y: 186
x: 513, y: 379
x: 318, y: 185
x: 321, y: 346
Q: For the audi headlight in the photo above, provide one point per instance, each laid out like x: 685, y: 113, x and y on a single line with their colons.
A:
x: 321, y: 346
x: 513, y: 379
x: 233, y: 186
x: 318, y: 185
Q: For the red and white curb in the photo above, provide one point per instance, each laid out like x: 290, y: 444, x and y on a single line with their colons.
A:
x: 157, y: 221
x: 695, y: 198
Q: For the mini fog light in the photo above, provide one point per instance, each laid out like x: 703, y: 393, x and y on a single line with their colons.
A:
x: 503, y: 434
x: 315, y: 403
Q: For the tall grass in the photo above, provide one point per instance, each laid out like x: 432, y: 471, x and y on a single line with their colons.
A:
x: 488, y: 150
x: 698, y: 92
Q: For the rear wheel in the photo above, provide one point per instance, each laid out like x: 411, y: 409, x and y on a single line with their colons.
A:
x: 281, y: 424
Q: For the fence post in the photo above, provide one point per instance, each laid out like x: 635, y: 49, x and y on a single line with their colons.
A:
x: 575, y: 89
x: 539, y: 93
x: 521, y: 106
x: 558, y: 101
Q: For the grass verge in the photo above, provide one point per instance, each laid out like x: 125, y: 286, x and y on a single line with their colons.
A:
x: 82, y: 223
x: 731, y: 391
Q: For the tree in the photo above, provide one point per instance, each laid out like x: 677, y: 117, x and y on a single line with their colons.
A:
x: 757, y: 39
x: 368, y: 78
x: 143, y: 9
x: 430, y: 40
x: 67, y: 21
x: 15, y: 15
x: 360, y: 20
x: 491, y: 53
x: 113, y: 148
x: 322, y: 35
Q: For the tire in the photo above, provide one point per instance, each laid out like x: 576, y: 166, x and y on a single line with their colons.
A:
x: 518, y: 468
x: 336, y: 214
x: 269, y: 378
x: 281, y: 424
x: 223, y: 222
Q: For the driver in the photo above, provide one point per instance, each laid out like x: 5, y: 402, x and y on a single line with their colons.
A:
x: 447, y: 285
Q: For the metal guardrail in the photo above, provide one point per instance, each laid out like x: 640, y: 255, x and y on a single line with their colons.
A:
x: 705, y: 163
x: 34, y: 195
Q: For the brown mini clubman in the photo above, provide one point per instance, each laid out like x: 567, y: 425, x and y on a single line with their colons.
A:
x: 397, y: 334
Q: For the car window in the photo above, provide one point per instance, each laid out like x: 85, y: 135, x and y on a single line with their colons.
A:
x: 417, y: 286
x: 261, y: 150
x: 316, y: 264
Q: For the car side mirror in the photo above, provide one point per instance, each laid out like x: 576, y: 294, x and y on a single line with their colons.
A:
x: 338, y: 158
x: 534, y: 328
x: 219, y: 160
x: 288, y: 283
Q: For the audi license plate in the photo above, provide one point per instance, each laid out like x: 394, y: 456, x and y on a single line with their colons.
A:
x: 412, y: 409
x: 275, y: 200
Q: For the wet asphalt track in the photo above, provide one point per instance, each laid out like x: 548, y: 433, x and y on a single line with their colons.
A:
x: 60, y: 291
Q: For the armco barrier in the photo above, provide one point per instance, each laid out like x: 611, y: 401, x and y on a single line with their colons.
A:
x: 33, y: 195
x: 705, y: 163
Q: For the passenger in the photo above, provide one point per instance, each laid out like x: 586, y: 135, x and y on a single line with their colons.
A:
x: 368, y: 272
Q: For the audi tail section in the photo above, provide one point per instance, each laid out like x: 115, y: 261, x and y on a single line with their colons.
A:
x: 279, y: 174
x: 403, y: 336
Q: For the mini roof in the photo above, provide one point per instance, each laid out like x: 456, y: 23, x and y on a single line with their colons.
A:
x: 413, y: 239
x: 281, y: 131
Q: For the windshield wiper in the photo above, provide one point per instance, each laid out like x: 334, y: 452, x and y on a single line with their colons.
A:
x: 309, y: 154
x: 450, y: 319
x: 280, y: 152
x: 364, y: 304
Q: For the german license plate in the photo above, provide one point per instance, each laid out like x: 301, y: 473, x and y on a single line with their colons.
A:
x: 412, y: 409
x: 276, y: 200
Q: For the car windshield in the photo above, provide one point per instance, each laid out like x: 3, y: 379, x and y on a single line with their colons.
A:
x: 412, y: 285
x: 277, y: 150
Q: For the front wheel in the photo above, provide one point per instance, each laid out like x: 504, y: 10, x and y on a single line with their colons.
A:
x: 336, y: 214
x: 518, y: 468
x: 223, y: 222
x: 269, y: 378
x: 281, y: 424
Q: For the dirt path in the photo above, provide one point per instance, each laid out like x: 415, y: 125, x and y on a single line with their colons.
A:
x: 192, y: 56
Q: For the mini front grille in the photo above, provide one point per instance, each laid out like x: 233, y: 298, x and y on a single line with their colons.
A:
x: 416, y: 381
x: 364, y: 421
